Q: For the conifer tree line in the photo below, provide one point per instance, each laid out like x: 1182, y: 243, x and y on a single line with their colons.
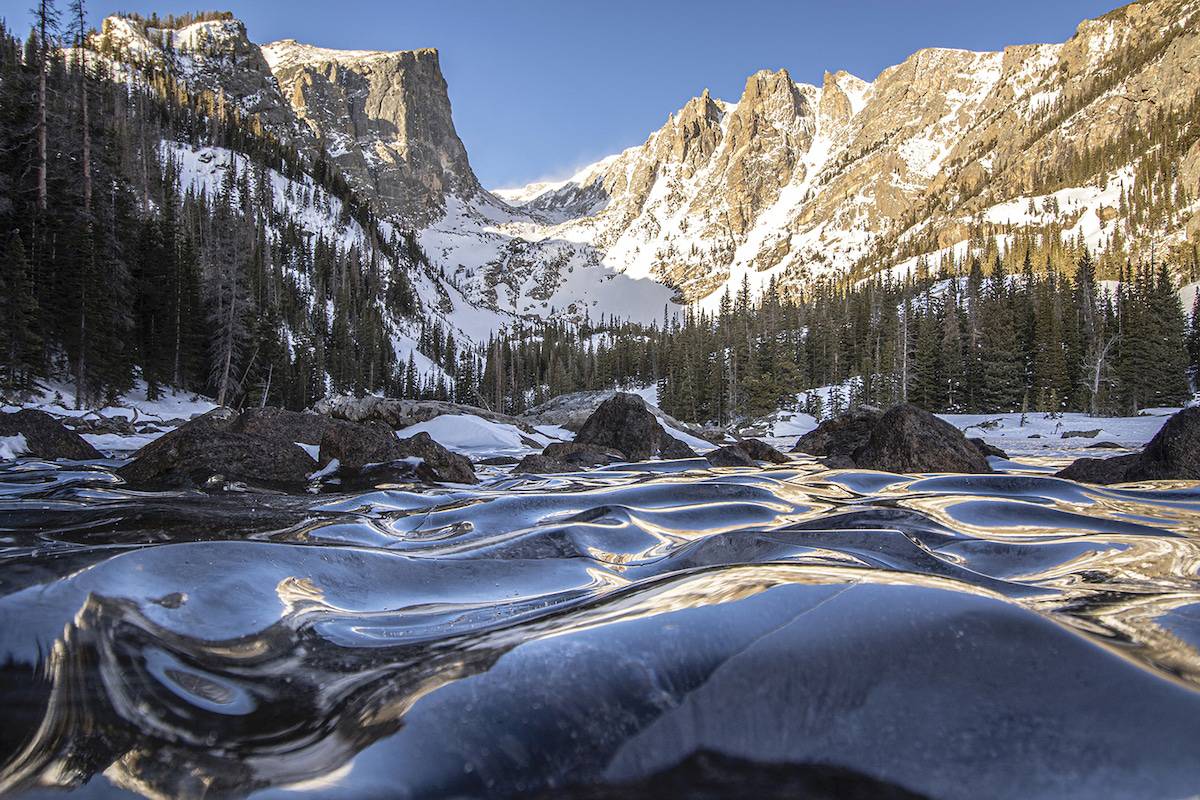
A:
x: 990, y: 335
x: 110, y: 268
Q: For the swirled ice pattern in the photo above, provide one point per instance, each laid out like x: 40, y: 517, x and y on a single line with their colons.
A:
x: 1012, y: 635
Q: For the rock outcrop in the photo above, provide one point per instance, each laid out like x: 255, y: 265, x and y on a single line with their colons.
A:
x: 746, y: 453
x: 907, y: 439
x: 259, y: 448
x: 624, y: 422
x: 375, y: 447
x: 207, y: 453
x: 45, y: 437
x: 385, y: 122
x: 282, y: 425
x: 903, y: 439
x: 1173, y: 454
x: 382, y: 120
x: 398, y: 414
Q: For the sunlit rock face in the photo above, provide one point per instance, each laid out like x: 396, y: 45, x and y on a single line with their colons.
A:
x: 383, y: 119
x: 797, y: 181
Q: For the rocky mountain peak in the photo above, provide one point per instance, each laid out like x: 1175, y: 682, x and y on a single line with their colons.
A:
x: 383, y: 119
x: 694, y: 133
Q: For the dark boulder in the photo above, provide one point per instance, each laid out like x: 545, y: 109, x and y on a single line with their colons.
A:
x: 624, y: 422
x: 1173, y: 454
x: 731, y: 455
x: 987, y: 449
x: 499, y: 461
x: 437, y: 464
x: 357, y: 445
x: 282, y: 425
x: 908, y: 439
x: 840, y: 436
x: 194, y: 456
x: 761, y: 451
x: 582, y: 455
x: 1099, y: 470
x: 46, y: 437
x: 538, y: 464
x: 673, y: 448
x: 160, y: 463
x: 1106, y: 446
x: 904, y: 439
x: 1092, y: 434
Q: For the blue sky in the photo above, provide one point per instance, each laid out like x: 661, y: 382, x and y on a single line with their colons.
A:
x: 542, y: 87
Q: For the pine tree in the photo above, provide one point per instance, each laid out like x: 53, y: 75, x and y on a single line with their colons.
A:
x: 1002, y: 368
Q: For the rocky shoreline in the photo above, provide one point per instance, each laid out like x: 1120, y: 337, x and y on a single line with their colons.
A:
x: 349, y: 443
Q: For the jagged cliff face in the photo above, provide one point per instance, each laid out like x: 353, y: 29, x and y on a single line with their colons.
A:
x: 796, y: 180
x: 384, y: 121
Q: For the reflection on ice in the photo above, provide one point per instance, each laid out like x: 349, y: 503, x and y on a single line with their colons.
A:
x: 958, y: 636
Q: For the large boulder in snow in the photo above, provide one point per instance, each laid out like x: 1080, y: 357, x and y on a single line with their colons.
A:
x: 904, y: 439
x: 1173, y: 454
x: 624, y: 422
x: 359, y: 446
x: 282, y: 425
x: 731, y: 455
x: 207, y: 452
x: 746, y: 453
x: 45, y: 437
x: 836, y: 439
x: 761, y: 451
x: 908, y: 439
x: 572, y: 410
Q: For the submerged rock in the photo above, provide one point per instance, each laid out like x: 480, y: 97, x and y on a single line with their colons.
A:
x: 1173, y: 454
x: 904, y: 439
x: 624, y: 422
x: 46, y: 437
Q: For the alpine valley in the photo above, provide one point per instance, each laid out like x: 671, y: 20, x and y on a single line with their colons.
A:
x: 307, y: 220
x: 837, y: 441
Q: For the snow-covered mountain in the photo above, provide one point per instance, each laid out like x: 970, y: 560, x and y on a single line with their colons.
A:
x: 791, y: 182
x: 794, y: 180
